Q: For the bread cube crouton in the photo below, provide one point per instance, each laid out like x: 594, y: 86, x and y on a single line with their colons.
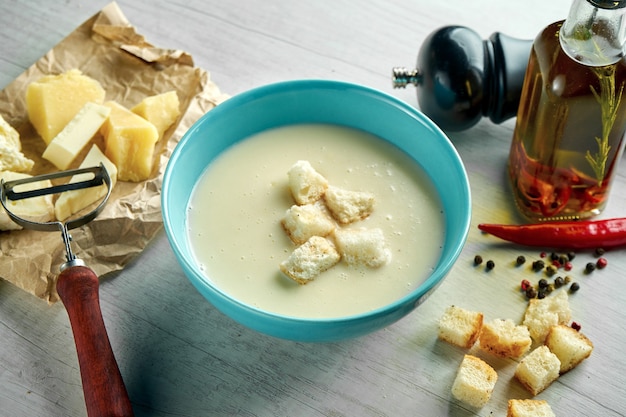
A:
x: 542, y: 314
x: 505, y: 339
x: 302, y: 222
x: 474, y: 381
x: 538, y: 369
x: 529, y: 408
x: 362, y: 247
x: 460, y: 327
x: 306, y: 184
x: 348, y: 206
x: 569, y: 345
x: 310, y: 259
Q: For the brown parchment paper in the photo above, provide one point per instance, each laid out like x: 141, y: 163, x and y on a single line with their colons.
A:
x: 107, y: 48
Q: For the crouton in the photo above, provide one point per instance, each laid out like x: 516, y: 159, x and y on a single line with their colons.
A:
x: 474, y: 381
x: 542, y: 314
x: 302, y: 222
x: 460, y: 327
x: 569, y: 345
x: 362, y: 247
x: 538, y: 369
x: 505, y: 339
x: 306, y: 184
x: 310, y: 259
x: 529, y: 408
x: 348, y: 206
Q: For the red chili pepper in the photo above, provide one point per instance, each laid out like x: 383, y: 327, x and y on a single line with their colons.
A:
x: 607, y: 233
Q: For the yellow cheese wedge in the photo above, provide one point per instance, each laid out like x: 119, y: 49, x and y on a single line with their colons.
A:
x: 65, y: 146
x: 71, y: 202
x: 11, y: 157
x: 53, y: 100
x: 38, y: 209
x: 129, y: 143
x: 161, y: 110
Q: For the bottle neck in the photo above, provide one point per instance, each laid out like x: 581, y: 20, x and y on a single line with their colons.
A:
x: 594, y: 32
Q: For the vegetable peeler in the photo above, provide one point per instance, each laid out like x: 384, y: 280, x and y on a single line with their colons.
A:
x: 77, y: 286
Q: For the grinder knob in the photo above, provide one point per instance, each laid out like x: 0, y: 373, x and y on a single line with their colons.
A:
x: 461, y: 78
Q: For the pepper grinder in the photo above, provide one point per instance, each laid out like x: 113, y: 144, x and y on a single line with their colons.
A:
x: 460, y: 78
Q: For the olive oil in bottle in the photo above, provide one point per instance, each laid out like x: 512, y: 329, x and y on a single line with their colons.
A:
x: 571, y: 121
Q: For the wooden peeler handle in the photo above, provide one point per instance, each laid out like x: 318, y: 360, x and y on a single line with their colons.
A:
x: 105, y: 393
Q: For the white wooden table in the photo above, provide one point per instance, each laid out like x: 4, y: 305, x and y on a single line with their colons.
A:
x: 181, y: 357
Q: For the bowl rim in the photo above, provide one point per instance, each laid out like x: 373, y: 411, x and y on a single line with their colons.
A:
x: 412, y: 298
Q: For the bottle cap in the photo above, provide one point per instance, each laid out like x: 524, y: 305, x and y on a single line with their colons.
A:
x: 607, y: 4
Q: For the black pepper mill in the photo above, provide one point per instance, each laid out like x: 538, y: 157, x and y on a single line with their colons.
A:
x: 460, y: 78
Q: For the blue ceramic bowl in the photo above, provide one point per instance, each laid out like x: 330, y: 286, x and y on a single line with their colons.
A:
x: 328, y: 102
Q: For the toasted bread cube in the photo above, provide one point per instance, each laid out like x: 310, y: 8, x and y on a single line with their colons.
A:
x: 542, y: 314
x: 474, y: 381
x: 529, y: 408
x: 306, y: 184
x: 129, y: 143
x: 460, y: 327
x: 505, y: 339
x: 569, y: 345
x: 538, y: 369
x: 37, y: 209
x: 161, y: 110
x: 362, y: 246
x: 349, y: 206
x: 310, y: 259
x: 53, y: 100
x: 302, y: 222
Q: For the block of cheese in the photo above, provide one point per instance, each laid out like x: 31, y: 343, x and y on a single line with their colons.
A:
x: 161, y: 110
x: 129, y: 143
x: 71, y: 202
x: 65, y: 146
x: 38, y: 209
x: 11, y: 156
x: 53, y: 100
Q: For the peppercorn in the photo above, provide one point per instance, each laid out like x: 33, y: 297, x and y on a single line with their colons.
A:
x: 571, y: 255
x: 520, y: 260
x: 549, y: 288
x: 590, y: 267
x: 576, y: 326
x: 525, y: 285
x: 550, y: 270
x: 531, y: 293
x: 541, y: 294
x: 478, y: 260
x: 600, y: 251
x: 543, y: 283
x: 490, y: 265
x: 559, y: 281
x: 567, y: 279
x: 538, y: 265
x: 568, y: 266
x: 542, y: 255
x: 602, y: 263
x: 574, y: 287
x: 563, y: 259
x: 554, y: 256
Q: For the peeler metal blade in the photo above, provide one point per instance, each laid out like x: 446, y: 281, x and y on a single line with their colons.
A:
x: 9, y: 191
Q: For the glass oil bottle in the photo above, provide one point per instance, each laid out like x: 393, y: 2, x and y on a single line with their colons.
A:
x: 569, y: 134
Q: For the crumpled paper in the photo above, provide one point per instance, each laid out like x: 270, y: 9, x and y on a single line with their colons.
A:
x: 107, y: 48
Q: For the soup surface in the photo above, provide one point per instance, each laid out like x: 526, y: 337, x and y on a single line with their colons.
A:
x: 236, y: 208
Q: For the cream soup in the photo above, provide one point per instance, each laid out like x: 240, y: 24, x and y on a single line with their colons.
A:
x: 235, y: 212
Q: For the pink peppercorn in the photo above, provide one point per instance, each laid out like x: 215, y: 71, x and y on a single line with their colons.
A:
x: 576, y: 326
x: 601, y: 263
x: 525, y: 285
x: 568, y: 266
